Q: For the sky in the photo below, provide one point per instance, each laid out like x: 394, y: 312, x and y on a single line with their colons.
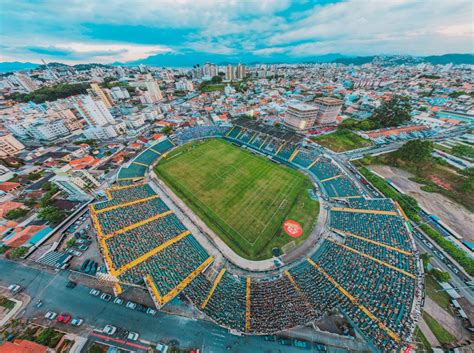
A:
x: 105, y: 31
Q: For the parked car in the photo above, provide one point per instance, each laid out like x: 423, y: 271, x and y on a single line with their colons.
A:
x: 94, y: 292
x: 77, y: 322
x: 151, y: 311
x: 93, y: 270
x: 109, y: 330
x: 118, y: 301
x: 131, y: 305
x: 14, y: 288
x: 64, y: 318
x: 83, y: 247
x: 106, y: 297
x: 133, y: 336
x: 50, y: 315
x: 85, y: 264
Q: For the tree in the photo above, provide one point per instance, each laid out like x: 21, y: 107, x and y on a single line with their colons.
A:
x: 16, y: 213
x: 167, y: 130
x: 416, y: 151
x: 71, y: 242
x: 216, y: 79
x: 426, y: 258
x: 52, y: 214
x: 440, y: 276
x: 394, y: 112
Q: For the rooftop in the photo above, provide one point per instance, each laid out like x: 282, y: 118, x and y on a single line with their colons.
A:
x: 302, y: 106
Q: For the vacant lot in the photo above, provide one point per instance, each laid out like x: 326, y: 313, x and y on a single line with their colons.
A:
x: 244, y: 198
x: 342, y: 140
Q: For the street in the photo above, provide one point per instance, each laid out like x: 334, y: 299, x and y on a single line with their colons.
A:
x: 51, y: 289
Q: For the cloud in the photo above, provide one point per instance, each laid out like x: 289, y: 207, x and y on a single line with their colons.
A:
x: 124, y: 30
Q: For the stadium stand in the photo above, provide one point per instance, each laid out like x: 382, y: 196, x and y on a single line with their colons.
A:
x: 375, y: 282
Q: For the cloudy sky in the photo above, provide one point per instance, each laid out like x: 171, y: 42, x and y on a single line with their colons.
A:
x: 77, y: 31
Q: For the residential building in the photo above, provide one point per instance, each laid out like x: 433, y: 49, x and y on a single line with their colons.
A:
x: 328, y: 110
x: 101, y: 94
x: 26, y: 82
x: 47, y: 130
x: 230, y: 73
x: 301, y: 116
x: 94, y: 112
x: 153, y: 89
x: 9, y: 145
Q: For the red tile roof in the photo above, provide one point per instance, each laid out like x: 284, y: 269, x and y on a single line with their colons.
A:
x: 22, y: 346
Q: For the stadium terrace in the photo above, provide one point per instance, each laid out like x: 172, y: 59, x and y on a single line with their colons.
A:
x: 365, y: 266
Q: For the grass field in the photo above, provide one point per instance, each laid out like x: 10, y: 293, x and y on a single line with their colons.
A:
x: 243, y: 197
x: 342, y: 140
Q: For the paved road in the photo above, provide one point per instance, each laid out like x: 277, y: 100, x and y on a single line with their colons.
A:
x: 51, y: 289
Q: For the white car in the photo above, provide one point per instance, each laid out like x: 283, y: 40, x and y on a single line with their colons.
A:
x: 133, y: 336
x: 118, y: 301
x: 50, y: 315
x: 109, y: 330
x: 94, y: 292
x: 151, y: 311
x: 131, y: 305
x: 14, y: 288
x: 77, y: 322
x: 105, y: 297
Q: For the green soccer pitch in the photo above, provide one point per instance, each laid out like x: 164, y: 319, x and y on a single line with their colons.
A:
x: 242, y: 197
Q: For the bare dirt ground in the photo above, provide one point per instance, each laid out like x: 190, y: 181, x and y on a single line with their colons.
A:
x: 453, y: 214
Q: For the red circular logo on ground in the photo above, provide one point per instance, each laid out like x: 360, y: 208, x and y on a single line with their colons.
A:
x: 292, y: 228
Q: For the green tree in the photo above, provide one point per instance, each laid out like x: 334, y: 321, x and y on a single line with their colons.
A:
x: 440, y: 276
x: 216, y: 79
x: 426, y: 258
x: 16, y: 213
x: 17, y: 252
x: 394, y: 112
x: 52, y: 214
x: 167, y: 130
x: 416, y: 151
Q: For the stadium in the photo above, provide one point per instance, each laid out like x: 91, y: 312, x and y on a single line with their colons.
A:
x: 263, y: 232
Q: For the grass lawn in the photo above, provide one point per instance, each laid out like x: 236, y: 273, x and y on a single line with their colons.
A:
x: 342, y: 140
x: 7, y: 303
x: 244, y: 198
x: 443, y: 336
x: 442, y: 298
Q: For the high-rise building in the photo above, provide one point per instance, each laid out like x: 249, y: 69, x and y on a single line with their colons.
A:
x: 304, y: 116
x: 119, y: 93
x: 240, y: 72
x: 9, y: 145
x: 93, y: 111
x: 153, y: 89
x: 301, y: 116
x: 210, y: 70
x: 229, y: 73
x: 329, y: 109
x: 102, y: 95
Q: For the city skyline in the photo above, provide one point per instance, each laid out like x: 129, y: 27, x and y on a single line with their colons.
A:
x: 111, y: 32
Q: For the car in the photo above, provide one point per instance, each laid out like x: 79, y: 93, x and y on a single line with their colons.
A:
x: 85, y: 264
x: 94, y: 292
x: 64, y: 318
x: 50, y: 315
x: 131, y: 305
x: 71, y: 284
x: 151, y: 311
x: 133, y: 336
x: 106, y: 297
x: 94, y: 268
x: 77, y: 322
x: 88, y: 267
x: 141, y: 308
x: 109, y: 330
x: 14, y: 288
x: 118, y: 301
x: 83, y: 247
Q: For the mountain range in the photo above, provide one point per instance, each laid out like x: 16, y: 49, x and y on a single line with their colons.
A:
x: 190, y: 60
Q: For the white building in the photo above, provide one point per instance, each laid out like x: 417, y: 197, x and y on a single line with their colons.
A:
x: 26, y: 82
x: 47, y: 130
x: 94, y: 112
x: 119, y: 93
x: 153, y: 89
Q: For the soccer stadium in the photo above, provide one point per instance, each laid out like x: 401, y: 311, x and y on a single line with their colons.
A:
x: 261, y: 231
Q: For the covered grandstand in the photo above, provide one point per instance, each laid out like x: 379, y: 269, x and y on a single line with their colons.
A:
x: 369, y: 269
